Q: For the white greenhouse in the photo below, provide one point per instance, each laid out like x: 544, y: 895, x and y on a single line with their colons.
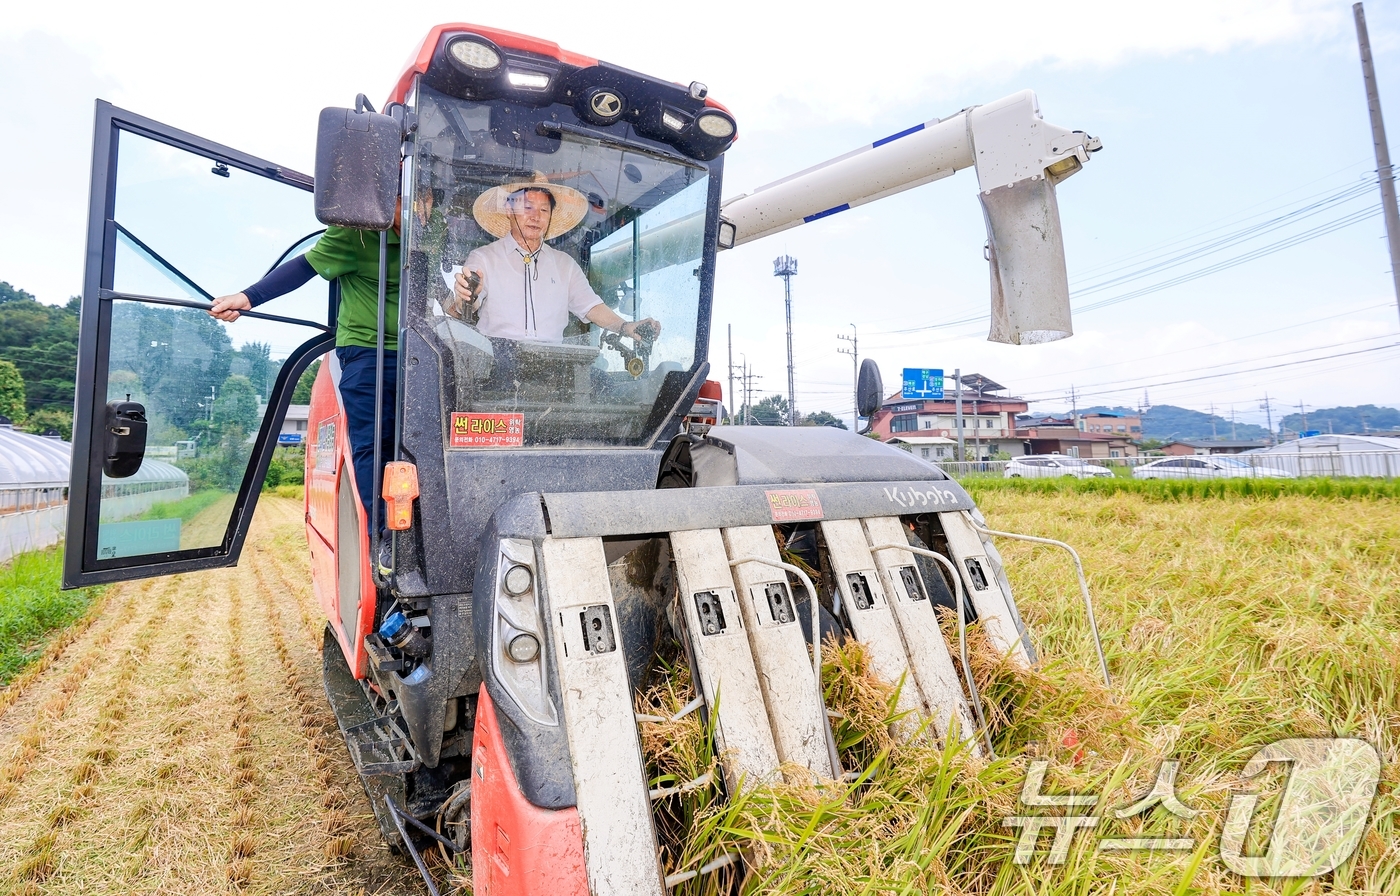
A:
x: 33, y: 491
x: 154, y: 483
x: 1333, y: 456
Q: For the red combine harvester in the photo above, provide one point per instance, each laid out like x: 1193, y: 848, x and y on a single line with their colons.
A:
x: 558, y: 504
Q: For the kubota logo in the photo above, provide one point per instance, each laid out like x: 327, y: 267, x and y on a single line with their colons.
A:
x: 606, y: 104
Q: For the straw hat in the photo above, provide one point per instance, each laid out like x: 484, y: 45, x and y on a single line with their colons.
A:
x: 492, y: 210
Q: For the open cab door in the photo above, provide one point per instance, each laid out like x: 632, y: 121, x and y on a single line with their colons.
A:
x: 177, y: 414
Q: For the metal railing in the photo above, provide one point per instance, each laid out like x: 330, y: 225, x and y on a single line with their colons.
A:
x: 1328, y: 464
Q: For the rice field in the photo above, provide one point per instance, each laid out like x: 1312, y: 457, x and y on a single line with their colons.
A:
x: 176, y: 739
x: 1228, y: 624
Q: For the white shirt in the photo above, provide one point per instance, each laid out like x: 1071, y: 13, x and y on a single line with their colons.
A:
x: 529, y: 302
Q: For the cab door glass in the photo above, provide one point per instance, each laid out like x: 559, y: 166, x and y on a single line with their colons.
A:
x: 188, y: 229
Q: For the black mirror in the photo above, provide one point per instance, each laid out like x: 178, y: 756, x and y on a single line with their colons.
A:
x: 870, y: 390
x: 125, y: 432
x: 357, y: 168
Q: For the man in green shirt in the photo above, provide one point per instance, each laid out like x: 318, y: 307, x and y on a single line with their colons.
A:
x: 351, y: 258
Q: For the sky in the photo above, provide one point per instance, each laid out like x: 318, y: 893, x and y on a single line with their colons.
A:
x: 1230, y: 131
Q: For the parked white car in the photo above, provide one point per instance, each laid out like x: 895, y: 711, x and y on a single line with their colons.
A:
x: 1040, y: 465
x: 1206, y: 466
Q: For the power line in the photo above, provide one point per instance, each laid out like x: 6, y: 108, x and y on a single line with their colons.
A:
x: 1314, y: 348
x: 1206, y: 248
x: 1210, y: 376
x: 1193, y: 348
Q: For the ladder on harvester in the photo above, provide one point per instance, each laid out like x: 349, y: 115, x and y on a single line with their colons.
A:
x: 746, y: 645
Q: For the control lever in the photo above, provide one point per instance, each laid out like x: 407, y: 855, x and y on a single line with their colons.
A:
x: 634, y: 359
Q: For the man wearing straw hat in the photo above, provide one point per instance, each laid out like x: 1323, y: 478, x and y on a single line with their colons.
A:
x: 525, y: 289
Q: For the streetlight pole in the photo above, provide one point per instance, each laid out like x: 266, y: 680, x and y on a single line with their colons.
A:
x: 785, y: 266
x: 854, y: 352
x: 1383, y: 171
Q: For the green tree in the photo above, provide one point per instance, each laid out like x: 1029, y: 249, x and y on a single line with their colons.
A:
x: 42, y: 341
x: 771, y: 411
x: 823, y: 418
x: 302, y: 393
x: 55, y: 419
x: 11, y: 392
x: 237, y: 405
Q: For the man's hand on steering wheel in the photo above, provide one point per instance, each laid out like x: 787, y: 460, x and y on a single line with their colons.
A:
x: 648, y: 329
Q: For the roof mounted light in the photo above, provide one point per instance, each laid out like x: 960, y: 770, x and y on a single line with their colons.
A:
x: 528, y: 80
x: 714, y: 124
x: 673, y: 120
x: 475, y: 55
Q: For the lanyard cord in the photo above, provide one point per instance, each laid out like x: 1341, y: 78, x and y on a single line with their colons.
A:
x: 532, y: 271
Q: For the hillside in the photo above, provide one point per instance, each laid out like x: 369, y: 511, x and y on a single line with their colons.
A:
x: 42, y: 341
x: 1167, y: 422
x: 1361, y: 418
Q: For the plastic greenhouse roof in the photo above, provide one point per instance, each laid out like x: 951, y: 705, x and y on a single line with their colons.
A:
x: 153, y: 471
x: 30, y: 461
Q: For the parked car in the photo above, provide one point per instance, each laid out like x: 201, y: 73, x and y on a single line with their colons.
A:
x: 1033, y: 465
x: 1206, y: 466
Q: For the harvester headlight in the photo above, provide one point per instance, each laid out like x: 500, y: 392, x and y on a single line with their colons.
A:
x: 716, y: 125
x: 523, y: 648
x: 518, y: 579
x: 517, y: 647
x: 672, y: 120
x: 475, y: 55
x: 528, y: 80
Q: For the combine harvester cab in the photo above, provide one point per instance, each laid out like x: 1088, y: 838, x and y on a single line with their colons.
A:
x: 559, y: 500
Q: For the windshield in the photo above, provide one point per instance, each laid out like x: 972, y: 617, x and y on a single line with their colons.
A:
x: 1229, y: 462
x: 558, y: 235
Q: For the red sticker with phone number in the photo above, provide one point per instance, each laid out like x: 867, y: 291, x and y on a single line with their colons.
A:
x: 487, y: 431
x: 795, y: 504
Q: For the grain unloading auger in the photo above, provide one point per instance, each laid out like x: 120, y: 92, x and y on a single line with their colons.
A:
x: 557, y: 505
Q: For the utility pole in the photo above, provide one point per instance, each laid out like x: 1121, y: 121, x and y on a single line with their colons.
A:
x: 1232, y: 422
x: 854, y: 352
x: 957, y: 384
x: 1269, y: 416
x: 1073, y: 406
x: 1212, y: 421
x: 1304, y: 413
x: 785, y: 266
x: 746, y: 381
x: 1383, y: 171
x: 731, y: 374
x: 744, y: 407
x: 977, y: 422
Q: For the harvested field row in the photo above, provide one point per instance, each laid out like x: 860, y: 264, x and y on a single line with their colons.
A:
x: 182, y: 744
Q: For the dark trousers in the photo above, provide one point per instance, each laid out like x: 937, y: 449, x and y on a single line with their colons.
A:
x: 357, y: 394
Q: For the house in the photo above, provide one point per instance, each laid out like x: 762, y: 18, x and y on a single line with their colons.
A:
x: 989, y: 420
x: 1111, y: 423
x: 1062, y: 435
x: 1183, y: 447
x: 294, y: 425
x: 929, y: 448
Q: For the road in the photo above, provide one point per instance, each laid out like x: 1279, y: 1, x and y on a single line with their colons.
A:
x: 181, y: 743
